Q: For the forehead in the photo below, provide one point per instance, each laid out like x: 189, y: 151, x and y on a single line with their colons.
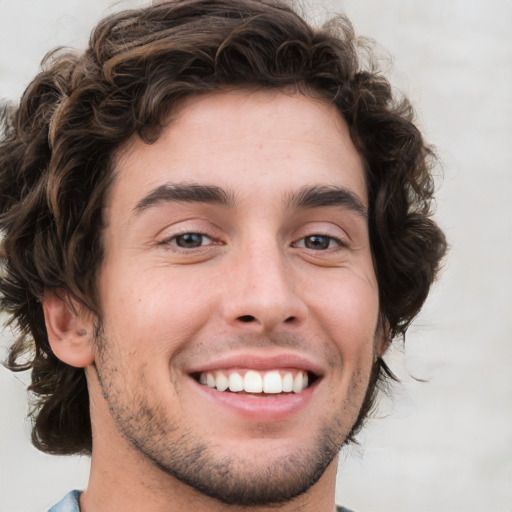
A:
x: 247, y: 142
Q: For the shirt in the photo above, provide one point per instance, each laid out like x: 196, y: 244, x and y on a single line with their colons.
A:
x: 67, y: 504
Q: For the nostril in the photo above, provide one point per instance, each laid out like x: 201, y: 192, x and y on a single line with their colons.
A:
x: 246, y: 318
x: 290, y: 319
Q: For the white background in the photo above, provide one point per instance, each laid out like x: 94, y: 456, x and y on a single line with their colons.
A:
x: 443, y: 445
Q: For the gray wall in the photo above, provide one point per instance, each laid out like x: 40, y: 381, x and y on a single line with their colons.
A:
x: 443, y: 445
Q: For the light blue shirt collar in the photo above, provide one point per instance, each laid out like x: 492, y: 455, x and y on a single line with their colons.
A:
x: 68, y: 504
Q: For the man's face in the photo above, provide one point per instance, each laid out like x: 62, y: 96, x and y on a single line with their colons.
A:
x: 237, y: 256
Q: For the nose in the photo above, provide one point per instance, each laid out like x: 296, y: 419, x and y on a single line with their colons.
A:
x: 262, y: 292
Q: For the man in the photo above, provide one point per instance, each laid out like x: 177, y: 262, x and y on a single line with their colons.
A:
x: 215, y: 222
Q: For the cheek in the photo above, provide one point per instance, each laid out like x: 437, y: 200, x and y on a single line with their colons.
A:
x: 159, y: 308
x: 349, y: 305
x: 348, y: 313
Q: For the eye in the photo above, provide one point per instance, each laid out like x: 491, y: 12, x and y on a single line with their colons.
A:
x: 318, y: 242
x: 190, y: 240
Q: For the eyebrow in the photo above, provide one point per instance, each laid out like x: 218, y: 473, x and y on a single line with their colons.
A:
x: 319, y: 196
x: 184, y: 192
x: 307, y: 197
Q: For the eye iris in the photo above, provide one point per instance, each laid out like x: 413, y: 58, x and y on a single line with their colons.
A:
x: 189, y: 240
x: 317, y: 242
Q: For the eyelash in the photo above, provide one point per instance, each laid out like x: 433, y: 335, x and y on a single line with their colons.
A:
x: 173, y: 240
x: 330, y: 239
x: 301, y: 243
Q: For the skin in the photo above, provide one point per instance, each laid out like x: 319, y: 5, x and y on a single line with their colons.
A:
x: 265, y: 279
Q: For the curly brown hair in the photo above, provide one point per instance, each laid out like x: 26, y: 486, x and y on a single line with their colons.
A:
x: 57, y: 153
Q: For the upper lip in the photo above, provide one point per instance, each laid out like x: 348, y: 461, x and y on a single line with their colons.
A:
x: 261, y: 362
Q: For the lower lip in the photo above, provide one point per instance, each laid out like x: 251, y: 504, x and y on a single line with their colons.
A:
x: 263, y: 409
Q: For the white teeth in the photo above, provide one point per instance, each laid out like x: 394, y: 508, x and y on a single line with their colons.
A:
x: 288, y: 382
x: 221, y: 382
x: 253, y: 382
x: 298, y: 383
x: 271, y: 382
x: 236, y: 382
x: 210, y: 380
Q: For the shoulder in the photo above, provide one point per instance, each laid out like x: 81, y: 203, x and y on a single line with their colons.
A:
x: 67, y: 504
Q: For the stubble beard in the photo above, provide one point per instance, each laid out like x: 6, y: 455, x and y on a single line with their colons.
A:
x: 231, y: 480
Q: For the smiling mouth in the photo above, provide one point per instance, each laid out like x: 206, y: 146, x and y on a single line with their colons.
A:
x: 257, y: 383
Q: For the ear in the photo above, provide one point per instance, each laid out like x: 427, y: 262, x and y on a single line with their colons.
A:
x: 382, y: 338
x: 70, y: 329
